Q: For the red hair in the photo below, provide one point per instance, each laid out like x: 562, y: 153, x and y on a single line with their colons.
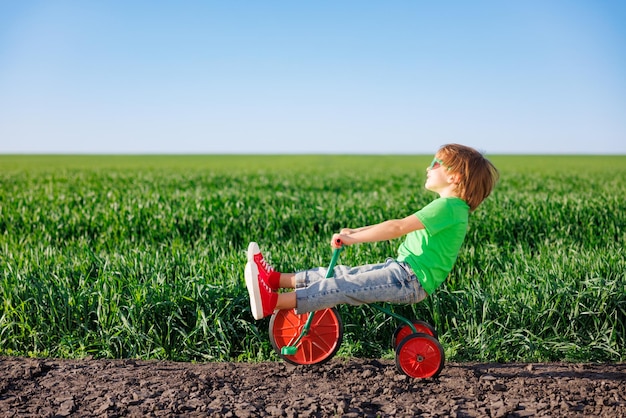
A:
x: 476, y: 175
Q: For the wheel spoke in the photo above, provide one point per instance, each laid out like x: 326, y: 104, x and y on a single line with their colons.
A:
x: 321, y: 342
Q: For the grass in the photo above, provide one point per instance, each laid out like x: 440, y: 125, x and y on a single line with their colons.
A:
x: 142, y: 256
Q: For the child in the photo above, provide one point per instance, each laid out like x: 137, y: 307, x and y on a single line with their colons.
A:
x: 462, y: 178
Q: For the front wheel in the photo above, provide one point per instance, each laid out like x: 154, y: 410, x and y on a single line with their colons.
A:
x: 318, y: 346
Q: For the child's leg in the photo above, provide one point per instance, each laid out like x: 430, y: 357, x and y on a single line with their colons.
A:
x: 274, y: 279
x: 387, y: 282
x: 287, y: 281
x: 286, y: 300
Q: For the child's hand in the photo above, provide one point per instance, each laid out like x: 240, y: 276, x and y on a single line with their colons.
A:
x: 337, y: 241
x: 346, y: 231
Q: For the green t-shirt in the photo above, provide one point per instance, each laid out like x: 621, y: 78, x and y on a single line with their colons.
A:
x: 432, y: 252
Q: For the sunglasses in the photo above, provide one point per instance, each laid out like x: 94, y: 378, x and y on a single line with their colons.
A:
x: 436, y: 163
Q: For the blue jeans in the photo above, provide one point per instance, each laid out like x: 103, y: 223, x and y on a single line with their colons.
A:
x: 391, y: 281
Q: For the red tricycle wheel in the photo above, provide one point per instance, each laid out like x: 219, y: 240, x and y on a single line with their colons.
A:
x: 404, y: 331
x: 420, y: 356
x: 318, y: 346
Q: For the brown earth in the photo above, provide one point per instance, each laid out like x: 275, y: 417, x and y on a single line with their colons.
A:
x: 342, y: 387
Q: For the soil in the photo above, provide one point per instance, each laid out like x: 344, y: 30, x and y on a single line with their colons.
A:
x: 341, y: 387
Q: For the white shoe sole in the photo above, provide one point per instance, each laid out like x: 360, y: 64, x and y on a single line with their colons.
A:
x: 252, y: 283
x: 253, y: 248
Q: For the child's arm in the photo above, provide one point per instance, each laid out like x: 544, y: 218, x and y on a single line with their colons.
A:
x: 348, y: 231
x: 393, y: 228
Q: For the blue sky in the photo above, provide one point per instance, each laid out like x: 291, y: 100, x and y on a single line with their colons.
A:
x: 234, y: 76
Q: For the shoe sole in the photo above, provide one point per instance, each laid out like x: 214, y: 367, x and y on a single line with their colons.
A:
x: 253, y: 248
x: 254, y: 292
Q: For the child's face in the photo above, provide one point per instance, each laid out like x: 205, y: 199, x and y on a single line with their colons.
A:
x: 437, y: 176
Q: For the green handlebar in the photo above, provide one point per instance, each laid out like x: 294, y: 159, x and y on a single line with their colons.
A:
x: 333, y: 262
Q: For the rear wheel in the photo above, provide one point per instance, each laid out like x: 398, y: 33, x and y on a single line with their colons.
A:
x: 404, y: 331
x: 420, y: 356
x: 318, y: 346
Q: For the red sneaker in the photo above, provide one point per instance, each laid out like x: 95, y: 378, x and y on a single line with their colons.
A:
x: 262, y: 299
x: 266, y: 272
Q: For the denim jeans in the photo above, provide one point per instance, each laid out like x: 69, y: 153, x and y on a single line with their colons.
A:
x: 391, y: 281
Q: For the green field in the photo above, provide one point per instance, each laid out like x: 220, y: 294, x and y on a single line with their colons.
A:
x: 143, y: 256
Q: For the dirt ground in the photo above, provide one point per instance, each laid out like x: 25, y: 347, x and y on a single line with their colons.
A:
x: 342, y: 387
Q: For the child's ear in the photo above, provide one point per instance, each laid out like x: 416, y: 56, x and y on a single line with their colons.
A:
x: 454, y: 178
